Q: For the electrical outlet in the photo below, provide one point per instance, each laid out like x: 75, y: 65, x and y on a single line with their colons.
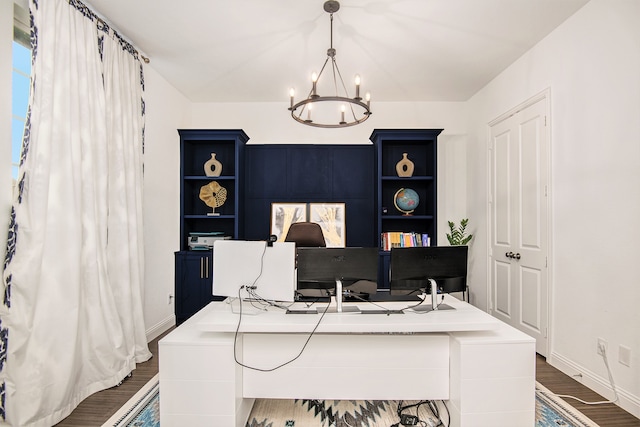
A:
x: 624, y: 355
x: 170, y: 299
x: 602, y: 347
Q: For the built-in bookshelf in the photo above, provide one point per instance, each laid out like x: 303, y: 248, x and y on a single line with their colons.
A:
x: 419, y: 146
x: 193, y: 262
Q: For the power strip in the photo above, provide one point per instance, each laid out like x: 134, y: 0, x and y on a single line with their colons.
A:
x: 408, y: 420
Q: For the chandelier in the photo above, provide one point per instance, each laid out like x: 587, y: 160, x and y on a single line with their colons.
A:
x: 331, y: 111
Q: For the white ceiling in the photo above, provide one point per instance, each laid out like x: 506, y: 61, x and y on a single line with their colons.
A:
x: 405, y: 50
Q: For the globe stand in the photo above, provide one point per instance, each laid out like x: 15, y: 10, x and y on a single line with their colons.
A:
x: 406, y: 207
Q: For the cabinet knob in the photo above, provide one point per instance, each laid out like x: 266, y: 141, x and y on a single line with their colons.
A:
x: 517, y: 256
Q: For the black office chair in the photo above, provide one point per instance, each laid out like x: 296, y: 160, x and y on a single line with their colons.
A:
x: 306, y: 234
x: 309, y: 235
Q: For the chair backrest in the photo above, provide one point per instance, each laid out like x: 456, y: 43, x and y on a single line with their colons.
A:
x: 306, y: 234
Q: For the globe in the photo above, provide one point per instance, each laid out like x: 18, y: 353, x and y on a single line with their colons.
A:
x: 406, y: 200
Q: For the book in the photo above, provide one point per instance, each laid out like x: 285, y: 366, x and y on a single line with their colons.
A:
x: 403, y: 239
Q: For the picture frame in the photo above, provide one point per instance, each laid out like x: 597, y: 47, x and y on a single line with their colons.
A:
x: 285, y: 214
x: 331, y: 217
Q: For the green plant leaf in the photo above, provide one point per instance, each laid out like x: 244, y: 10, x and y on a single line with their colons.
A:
x: 457, y: 235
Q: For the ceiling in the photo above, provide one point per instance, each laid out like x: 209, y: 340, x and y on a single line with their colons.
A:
x: 404, y: 50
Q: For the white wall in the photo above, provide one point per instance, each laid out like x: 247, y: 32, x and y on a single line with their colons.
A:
x: 166, y: 111
x: 591, y: 64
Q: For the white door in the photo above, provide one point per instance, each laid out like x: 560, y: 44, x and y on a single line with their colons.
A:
x: 519, y: 219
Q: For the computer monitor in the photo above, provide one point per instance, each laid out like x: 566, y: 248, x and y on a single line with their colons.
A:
x: 240, y: 263
x: 334, y: 269
x: 412, y: 269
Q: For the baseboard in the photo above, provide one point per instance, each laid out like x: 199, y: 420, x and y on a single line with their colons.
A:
x: 159, y: 328
x: 626, y: 400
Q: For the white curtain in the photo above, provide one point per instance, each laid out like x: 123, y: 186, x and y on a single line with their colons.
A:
x: 71, y: 318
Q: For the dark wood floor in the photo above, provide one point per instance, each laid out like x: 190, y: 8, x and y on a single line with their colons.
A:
x: 608, y: 415
x: 98, y: 408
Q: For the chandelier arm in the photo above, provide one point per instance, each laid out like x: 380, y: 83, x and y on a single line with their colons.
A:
x: 334, y: 68
x: 344, y: 87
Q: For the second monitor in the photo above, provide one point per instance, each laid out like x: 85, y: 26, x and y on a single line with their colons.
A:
x: 331, y: 269
x: 417, y: 269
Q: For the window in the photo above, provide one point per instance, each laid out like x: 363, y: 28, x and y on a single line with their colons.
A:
x: 21, y: 77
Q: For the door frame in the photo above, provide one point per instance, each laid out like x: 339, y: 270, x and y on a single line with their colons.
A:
x: 543, y: 95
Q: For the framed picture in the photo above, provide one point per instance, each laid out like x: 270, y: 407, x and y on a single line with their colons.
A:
x: 330, y: 216
x: 285, y: 214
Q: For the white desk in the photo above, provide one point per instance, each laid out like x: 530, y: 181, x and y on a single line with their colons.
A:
x: 484, y: 368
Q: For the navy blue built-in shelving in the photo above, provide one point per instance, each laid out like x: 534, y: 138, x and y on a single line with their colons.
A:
x: 422, y: 149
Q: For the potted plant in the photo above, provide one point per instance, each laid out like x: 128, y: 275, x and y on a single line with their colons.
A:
x: 458, y: 233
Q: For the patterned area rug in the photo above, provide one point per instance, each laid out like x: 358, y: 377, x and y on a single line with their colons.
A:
x: 142, y: 410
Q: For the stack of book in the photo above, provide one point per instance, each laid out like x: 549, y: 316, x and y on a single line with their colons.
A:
x: 403, y: 239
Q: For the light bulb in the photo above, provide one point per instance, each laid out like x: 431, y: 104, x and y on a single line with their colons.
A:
x: 314, y: 79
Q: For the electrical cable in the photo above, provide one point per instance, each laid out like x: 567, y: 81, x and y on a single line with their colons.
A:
x: 306, y: 303
x: 347, y: 292
x: 235, y: 341
x: 448, y: 414
x: 415, y: 420
x: 603, y: 402
x: 422, y: 302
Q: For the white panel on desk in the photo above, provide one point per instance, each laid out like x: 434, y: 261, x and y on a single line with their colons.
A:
x: 198, y: 362
x: 219, y: 318
x: 196, y: 397
x: 358, y: 366
x: 517, y: 394
x: 191, y: 420
x: 331, y: 383
x: 352, y: 350
x: 497, y: 419
x: 487, y: 361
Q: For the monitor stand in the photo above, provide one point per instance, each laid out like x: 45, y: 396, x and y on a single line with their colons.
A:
x: 426, y: 308
x: 434, y: 300
x: 339, y: 308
